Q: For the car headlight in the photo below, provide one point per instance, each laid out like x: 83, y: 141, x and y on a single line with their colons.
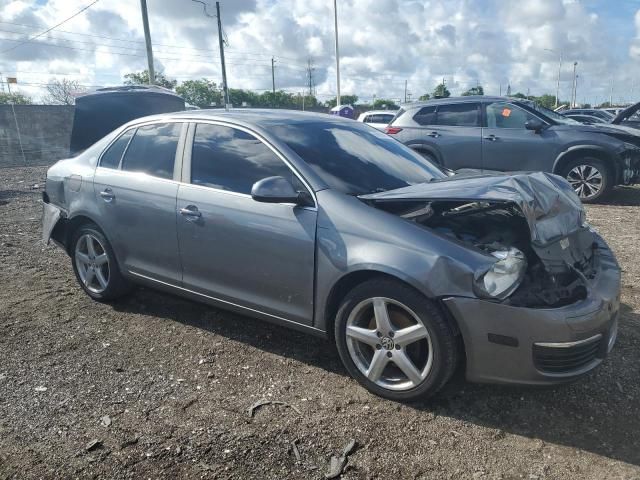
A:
x: 505, y: 274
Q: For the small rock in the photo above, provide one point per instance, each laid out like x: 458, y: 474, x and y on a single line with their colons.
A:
x: 41, y: 388
x: 105, y: 421
x: 92, y: 445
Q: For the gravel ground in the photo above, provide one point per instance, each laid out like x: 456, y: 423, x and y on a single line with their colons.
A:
x: 159, y: 387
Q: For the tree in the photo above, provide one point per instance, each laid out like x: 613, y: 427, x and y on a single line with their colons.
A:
x: 441, y: 91
x: 546, y: 100
x: 62, y: 92
x: 424, y: 97
x: 201, y: 93
x: 474, y: 91
x: 344, y: 99
x: 15, y: 98
x: 384, y: 104
x: 142, y: 78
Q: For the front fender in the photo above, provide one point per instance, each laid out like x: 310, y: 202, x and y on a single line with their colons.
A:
x: 577, y: 148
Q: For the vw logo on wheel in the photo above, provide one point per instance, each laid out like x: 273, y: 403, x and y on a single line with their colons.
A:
x: 387, y: 343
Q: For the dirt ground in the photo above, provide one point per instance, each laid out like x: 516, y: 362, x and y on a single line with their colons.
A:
x: 159, y: 387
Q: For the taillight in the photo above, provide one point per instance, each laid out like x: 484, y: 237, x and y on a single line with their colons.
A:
x: 392, y: 130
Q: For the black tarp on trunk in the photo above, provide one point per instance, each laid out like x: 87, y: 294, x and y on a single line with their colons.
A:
x: 100, y: 112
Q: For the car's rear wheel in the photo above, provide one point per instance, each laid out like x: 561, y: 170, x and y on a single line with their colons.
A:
x: 589, y: 177
x: 395, y: 341
x: 95, y: 266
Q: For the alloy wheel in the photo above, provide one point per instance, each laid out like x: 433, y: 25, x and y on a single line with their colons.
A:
x: 586, y: 180
x: 92, y: 263
x: 389, y: 344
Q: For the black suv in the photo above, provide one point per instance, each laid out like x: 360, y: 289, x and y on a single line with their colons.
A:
x: 507, y: 134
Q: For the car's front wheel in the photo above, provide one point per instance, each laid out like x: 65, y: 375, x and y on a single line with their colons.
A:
x: 94, y: 265
x: 589, y: 178
x: 395, y: 341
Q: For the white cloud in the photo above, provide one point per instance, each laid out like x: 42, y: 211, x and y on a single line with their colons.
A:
x: 382, y: 42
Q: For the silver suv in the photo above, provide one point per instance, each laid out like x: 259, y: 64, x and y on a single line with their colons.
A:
x: 507, y: 134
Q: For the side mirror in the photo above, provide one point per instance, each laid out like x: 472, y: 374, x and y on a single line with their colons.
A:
x: 275, y: 190
x: 535, y: 125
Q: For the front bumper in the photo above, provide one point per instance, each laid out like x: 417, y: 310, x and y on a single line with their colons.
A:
x: 538, y: 346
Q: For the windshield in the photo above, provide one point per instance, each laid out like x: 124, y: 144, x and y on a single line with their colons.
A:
x: 556, y: 117
x: 356, y: 159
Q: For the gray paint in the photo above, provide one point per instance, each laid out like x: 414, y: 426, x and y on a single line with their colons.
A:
x: 280, y: 262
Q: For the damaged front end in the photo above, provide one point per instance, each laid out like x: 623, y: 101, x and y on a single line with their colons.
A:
x: 533, y: 225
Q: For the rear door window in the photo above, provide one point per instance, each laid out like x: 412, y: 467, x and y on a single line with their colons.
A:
x: 459, y: 115
x: 111, y: 158
x: 153, y: 150
x: 426, y: 116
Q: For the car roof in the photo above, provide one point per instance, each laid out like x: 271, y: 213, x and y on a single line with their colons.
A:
x: 378, y: 112
x: 248, y: 116
x: 468, y: 98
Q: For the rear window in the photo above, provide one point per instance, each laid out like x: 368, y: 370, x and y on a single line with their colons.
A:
x: 459, y: 115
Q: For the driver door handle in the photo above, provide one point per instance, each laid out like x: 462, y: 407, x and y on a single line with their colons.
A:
x: 433, y: 135
x: 491, y: 138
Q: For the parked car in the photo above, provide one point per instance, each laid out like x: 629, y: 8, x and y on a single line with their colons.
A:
x: 328, y: 226
x: 584, y: 118
x: 506, y: 134
x: 377, y: 118
x: 629, y: 117
x: 602, y: 114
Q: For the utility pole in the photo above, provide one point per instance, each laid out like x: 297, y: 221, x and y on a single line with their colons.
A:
x: 500, y: 94
x: 273, y: 76
x: 558, y: 83
x: 575, y: 84
x: 335, y: 16
x: 225, y: 87
x: 611, y: 93
x: 147, y: 39
x: 405, y: 91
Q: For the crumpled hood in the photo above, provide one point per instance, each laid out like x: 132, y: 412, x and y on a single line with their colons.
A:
x: 549, y: 204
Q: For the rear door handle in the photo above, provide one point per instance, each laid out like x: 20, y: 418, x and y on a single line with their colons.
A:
x: 107, y: 195
x: 433, y: 135
x: 190, y: 212
x: 491, y: 138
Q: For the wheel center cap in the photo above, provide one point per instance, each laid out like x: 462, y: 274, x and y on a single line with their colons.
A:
x: 387, y: 343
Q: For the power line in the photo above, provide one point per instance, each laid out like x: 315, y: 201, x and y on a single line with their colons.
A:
x: 126, y: 40
x: 51, y: 28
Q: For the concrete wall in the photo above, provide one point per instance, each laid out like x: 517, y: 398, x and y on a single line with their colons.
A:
x: 45, y: 131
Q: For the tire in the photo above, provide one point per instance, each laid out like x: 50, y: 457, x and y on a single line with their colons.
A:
x: 370, y: 353
x: 585, y: 175
x: 95, y: 266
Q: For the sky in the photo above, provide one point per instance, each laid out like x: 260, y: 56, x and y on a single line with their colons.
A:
x: 383, y: 44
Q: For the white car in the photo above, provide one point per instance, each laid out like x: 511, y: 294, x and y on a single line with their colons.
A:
x: 377, y: 118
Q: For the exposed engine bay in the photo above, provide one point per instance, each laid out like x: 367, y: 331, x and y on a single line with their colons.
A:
x: 558, y: 278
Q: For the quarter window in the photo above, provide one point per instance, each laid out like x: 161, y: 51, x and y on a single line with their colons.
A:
x: 459, y: 115
x: 111, y: 158
x: 506, y: 115
x: 153, y: 150
x: 230, y: 159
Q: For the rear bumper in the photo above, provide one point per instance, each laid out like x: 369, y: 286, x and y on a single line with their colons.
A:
x: 533, y: 346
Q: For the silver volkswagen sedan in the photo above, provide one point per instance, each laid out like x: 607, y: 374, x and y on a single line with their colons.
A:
x: 328, y: 226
